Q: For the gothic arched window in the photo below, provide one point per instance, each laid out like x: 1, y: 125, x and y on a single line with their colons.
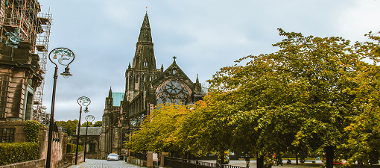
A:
x: 172, y: 91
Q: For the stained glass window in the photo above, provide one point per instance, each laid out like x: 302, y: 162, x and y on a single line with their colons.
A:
x: 173, y: 92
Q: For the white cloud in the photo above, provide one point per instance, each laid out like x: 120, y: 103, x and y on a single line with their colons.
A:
x: 360, y: 19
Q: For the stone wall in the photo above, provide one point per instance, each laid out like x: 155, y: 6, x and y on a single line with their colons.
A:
x: 33, y: 163
x: 19, y: 135
x: 70, y: 157
x: 58, y: 145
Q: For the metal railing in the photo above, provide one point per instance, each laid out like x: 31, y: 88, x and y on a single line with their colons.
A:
x: 184, y: 163
x: 141, y: 156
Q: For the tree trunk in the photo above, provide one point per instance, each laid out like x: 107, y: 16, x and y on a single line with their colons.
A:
x: 329, y: 156
x: 247, y: 160
x: 221, y: 155
x: 296, y: 158
x: 260, y: 162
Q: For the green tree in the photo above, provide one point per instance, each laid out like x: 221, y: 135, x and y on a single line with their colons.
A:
x: 295, y: 98
x: 98, y: 124
x: 68, y: 126
x: 206, y: 128
x: 158, y: 131
x: 364, y: 131
x: 85, y: 124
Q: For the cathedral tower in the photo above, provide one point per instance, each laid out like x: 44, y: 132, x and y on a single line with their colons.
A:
x: 144, y: 63
x: 145, y: 87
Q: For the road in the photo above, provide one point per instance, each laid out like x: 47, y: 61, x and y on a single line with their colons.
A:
x: 93, y: 163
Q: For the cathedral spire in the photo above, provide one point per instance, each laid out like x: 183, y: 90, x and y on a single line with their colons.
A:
x: 144, y: 56
x: 145, y: 35
x: 109, y: 100
x: 110, y: 93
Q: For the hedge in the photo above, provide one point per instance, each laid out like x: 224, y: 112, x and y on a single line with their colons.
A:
x: 71, y: 148
x: 32, y: 128
x: 18, y: 152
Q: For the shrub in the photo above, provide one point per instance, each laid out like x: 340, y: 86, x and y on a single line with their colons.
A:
x: 32, y: 128
x: 18, y: 152
x: 71, y: 148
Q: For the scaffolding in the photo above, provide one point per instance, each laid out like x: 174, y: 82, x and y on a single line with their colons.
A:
x: 20, y: 15
x: 23, y: 18
x: 42, y: 44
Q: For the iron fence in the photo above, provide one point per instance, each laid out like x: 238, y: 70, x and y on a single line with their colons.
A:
x: 184, y: 163
x: 141, y: 156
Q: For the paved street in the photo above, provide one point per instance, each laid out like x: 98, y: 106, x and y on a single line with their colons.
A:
x: 93, y: 163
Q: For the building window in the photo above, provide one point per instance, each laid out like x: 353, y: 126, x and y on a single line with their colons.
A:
x: 92, y: 148
x: 173, y: 92
x: 7, y: 134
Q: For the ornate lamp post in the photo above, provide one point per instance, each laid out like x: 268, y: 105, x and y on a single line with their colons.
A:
x: 90, y: 118
x: 65, y: 57
x: 82, y: 101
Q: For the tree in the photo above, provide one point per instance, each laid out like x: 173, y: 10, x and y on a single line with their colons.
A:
x: 69, y: 126
x: 98, y: 124
x: 85, y: 124
x: 158, y: 131
x: 206, y: 130
x: 364, y: 131
x: 295, y: 98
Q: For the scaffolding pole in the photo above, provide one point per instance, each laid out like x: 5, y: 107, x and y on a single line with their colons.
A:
x: 42, y: 45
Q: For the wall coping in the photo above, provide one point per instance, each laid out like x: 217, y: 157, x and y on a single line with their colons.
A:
x: 40, y: 163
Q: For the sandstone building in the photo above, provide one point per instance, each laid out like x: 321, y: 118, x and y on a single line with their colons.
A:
x: 24, y: 36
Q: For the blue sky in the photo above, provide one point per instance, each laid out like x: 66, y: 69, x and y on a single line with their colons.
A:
x: 204, y: 35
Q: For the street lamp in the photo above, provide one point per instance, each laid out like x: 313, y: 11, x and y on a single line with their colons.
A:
x: 82, y: 101
x: 90, y: 118
x: 65, y: 57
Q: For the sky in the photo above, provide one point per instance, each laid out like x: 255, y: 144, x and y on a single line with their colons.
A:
x: 204, y: 35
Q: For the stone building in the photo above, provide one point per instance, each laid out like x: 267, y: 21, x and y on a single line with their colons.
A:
x: 24, y: 37
x: 146, y: 86
x: 20, y: 75
x: 92, y: 140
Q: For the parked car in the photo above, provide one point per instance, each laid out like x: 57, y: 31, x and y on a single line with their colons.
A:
x: 113, y: 156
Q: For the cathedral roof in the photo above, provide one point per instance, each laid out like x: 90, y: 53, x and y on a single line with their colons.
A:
x: 117, y: 98
x: 90, y: 131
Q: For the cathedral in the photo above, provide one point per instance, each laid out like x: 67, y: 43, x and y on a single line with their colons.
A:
x: 145, y: 87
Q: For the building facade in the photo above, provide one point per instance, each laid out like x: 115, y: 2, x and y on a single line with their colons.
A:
x: 24, y: 36
x: 91, y: 137
x: 20, y: 75
x: 146, y: 86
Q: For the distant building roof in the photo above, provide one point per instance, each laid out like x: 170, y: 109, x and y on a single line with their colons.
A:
x: 117, y: 98
x: 90, y: 131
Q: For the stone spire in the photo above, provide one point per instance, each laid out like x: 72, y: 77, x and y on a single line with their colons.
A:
x: 144, y: 56
x: 110, y: 93
x: 145, y: 35
x: 109, y: 100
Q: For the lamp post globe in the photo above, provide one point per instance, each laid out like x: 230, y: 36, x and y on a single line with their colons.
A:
x: 89, y: 118
x: 64, y: 57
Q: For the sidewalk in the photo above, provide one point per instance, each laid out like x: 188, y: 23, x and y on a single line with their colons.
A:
x: 252, y: 164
